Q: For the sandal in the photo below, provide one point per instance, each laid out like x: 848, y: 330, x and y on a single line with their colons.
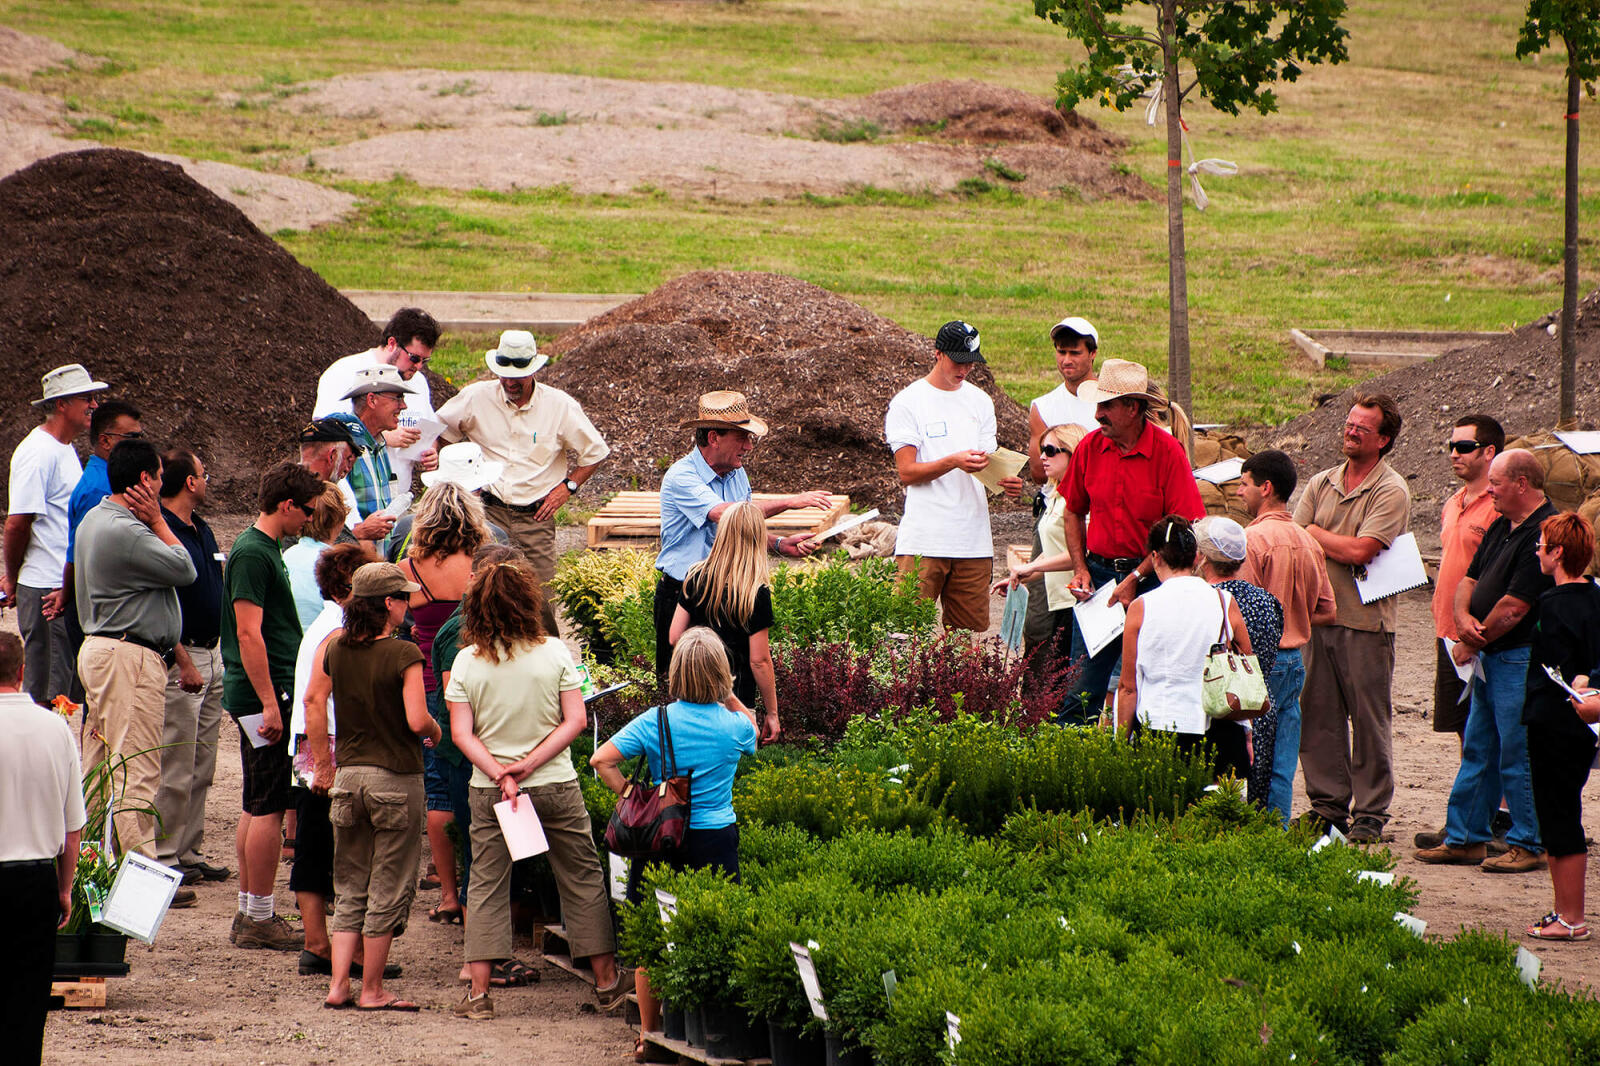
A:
x: 509, y: 973
x: 1554, y: 927
x: 445, y: 915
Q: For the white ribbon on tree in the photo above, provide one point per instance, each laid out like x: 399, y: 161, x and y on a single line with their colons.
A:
x: 1152, y: 110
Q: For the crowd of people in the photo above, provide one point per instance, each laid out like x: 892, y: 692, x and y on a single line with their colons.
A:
x: 396, y: 670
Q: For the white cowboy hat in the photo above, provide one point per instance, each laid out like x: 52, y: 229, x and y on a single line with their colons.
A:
x: 724, y: 409
x: 517, y: 355
x: 380, y: 377
x: 64, y: 381
x: 463, y: 464
x: 1119, y: 378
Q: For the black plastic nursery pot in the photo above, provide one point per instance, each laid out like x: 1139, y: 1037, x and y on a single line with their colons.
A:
x: 789, y: 1048
x: 102, y: 947
x: 694, y: 1027
x: 838, y: 1056
x: 672, y: 1022
x: 69, y: 948
x: 730, y: 1034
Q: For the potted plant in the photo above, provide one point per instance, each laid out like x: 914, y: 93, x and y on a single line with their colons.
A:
x: 82, y: 940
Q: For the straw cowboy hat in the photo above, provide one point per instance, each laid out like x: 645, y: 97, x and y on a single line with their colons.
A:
x: 725, y: 410
x: 1121, y: 378
x: 463, y: 464
x: 516, y: 356
x: 65, y: 381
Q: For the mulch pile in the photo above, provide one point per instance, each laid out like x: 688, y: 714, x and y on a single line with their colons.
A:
x: 1516, y: 380
x: 176, y: 300
x: 819, y: 369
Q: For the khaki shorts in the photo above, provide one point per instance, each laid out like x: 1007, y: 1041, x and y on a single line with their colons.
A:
x: 960, y: 585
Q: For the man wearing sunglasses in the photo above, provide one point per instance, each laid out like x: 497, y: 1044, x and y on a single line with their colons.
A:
x: 546, y: 445
x: 409, y: 339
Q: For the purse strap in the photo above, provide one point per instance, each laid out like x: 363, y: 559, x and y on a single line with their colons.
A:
x: 1222, y: 630
x: 669, y: 761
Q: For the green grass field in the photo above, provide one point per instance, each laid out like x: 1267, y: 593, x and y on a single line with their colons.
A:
x: 1416, y: 186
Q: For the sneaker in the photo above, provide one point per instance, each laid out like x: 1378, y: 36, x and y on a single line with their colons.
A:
x: 1514, y: 861
x: 1367, y: 829
x: 475, y: 1008
x: 183, y: 897
x: 1429, y: 838
x: 1452, y: 855
x: 238, y: 923
x: 271, y: 933
x: 617, y: 994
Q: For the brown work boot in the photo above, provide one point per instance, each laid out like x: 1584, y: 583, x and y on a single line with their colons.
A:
x: 1452, y: 855
x: 272, y: 933
x: 1514, y: 861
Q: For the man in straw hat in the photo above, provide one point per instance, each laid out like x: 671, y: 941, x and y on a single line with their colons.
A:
x: 702, y: 485
x: 941, y: 429
x: 378, y: 396
x: 408, y: 342
x: 543, y: 443
x: 44, y: 471
x: 1124, y: 478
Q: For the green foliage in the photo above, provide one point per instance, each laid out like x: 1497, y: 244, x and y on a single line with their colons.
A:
x: 999, y: 169
x: 855, y: 603
x: 827, y: 802
x: 629, y: 623
x: 588, y: 581
x: 714, y: 916
x: 849, y: 131
x: 1576, y: 23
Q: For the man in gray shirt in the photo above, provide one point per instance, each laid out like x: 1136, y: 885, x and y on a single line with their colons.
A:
x: 128, y: 567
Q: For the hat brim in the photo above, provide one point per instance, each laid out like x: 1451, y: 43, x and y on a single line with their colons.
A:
x: 751, y: 425
x: 1091, y: 393
x: 46, y: 401
x: 363, y: 390
x: 488, y: 473
x: 963, y: 356
x: 514, y: 372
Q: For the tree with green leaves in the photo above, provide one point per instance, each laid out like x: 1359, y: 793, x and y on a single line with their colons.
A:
x: 1231, y: 51
x: 1577, y: 24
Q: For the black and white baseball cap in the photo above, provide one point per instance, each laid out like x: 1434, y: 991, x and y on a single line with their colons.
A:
x: 959, y: 341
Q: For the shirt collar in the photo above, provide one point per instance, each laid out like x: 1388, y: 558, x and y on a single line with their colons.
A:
x: 1142, y: 446
x: 703, y: 468
x: 1277, y: 514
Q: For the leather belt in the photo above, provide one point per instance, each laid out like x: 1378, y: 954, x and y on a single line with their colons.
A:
x: 516, y: 508
x: 208, y: 645
x: 168, y: 656
x: 1121, y: 566
x: 27, y: 864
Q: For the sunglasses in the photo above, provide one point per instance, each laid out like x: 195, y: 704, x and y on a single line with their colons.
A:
x: 1050, y: 451
x: 1463, y: 447
x: 304, y: 508
x: 417, y: 360
x: 518, y: 361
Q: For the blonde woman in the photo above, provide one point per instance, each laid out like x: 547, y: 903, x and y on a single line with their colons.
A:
x: 320, y: 532
x: 727, y: 592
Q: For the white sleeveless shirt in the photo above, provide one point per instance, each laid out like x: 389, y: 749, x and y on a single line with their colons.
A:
x: 1181, y: 620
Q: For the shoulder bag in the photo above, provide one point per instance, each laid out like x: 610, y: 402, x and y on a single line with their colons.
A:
x: 1232, y: 686
x: 651, y: 819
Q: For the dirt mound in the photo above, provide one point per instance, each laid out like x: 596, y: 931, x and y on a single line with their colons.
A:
x: 21, y: 54
x: 820, y: 369
x: 169, y: 294
x: 977, y: 112
x: 1515, y: 379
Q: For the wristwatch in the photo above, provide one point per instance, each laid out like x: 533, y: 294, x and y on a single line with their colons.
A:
x: 572, y: 486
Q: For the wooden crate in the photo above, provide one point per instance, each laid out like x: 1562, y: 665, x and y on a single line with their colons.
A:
x: 551, y: 941
x: 633, y: 519
x: 82, y: 993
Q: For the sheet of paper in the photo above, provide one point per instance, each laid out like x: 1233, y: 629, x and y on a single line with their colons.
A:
x: 430, y: 428
x: 140, y: 897
x: 1003, y: 463
x: 1394, y: 570
x: 1469, y: 671
x: 808, y: 979
x: 524, y: 835
x: 1219, y: 473
x: 1014, y: 617
x: 249, y: 724
x: 618, y: 879
x: 845, y: 526
x: 398, y: 506
x: 1582, y: 441
x: 1099, y: 619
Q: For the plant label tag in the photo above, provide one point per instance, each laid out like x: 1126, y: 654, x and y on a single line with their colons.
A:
x: 952, y: 1031
x: 1411, y: 922
x: 1378, y: 877
x: 619, y: 876
x: 1528, y: 966
x: 1012, y: 618
x: 890, y: 983
x: 92, y: 894
x: 1332, y: 836
x: 808, y: 979
x: 140, y: 897
x: 667, y: 907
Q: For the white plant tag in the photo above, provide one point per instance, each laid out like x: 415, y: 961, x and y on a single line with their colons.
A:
x: 1411, y: 922
x: 1528, y: 966
x: 619, y: 877
x: 952, y: 1031
x: 808, y: 978
x: 1379, y: 877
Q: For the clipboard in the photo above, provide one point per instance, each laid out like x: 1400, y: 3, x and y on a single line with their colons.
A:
x: 1396, y: 569
x: 1003, y: 463
x: 1099, y: 620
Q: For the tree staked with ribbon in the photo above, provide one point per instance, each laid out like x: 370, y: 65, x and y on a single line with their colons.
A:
x: 1231, y: 51
x: 1577, y: 24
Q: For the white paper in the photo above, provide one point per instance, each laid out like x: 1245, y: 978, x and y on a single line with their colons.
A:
x: 1411, y: 922
x: 1014, y: 617
x: 140, y: 896
x: 1528, y: 966
x: 1582, y: 441
x: 1380, y: 877
x: 249, y: 724
x: 619, y: 876
x: 1467, y: 672
x: 808, y: 979
x: 1394, y: 570
x: 430, y: 428
x: 1332, y: 836
x: 524, y: 835
x: 952, y: 1030
x: 398, y: 506
x: 1555, y: 675
x: 1099, y: 620
x: 845, y: 526
x: 1220, y: 473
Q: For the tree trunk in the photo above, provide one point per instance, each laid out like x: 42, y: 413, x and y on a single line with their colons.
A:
x: 1569, y: 279
x: 1178, y: 375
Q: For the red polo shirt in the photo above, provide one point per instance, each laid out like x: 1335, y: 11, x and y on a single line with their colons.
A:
x: 1123, y: 495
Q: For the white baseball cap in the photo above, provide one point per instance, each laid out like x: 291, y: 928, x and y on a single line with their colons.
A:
x: 1080, y: 326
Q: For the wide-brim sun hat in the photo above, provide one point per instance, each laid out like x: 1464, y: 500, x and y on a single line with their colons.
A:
x: 380, y: 377
x: 516, y: 356
x: 725, y: 409
x: 66, y: 381
x: 1120, y: 378
x: 463, y: 464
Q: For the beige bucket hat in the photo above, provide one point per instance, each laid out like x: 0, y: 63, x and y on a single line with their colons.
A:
x: 65, y: 381
x: 724, y: 409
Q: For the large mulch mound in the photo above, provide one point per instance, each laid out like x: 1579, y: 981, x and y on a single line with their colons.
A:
x: 169, y: 294
x: 1516, y: 380
x: 976, y: 112
x: 818, y: 368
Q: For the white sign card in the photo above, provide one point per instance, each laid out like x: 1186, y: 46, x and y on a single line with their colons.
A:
x: 667, y: 908
x: 250, y: 725
x: 1099, y: 620
x: 1221, y: 473
x: 808, y: 979
x: 520, y: 826
x: 1411, y: 922
x: 140, y: 897
x: 1396, y: 569
x: 1582, y: 441
x: 1528, y: 966
x: 1332, y: 836
x: 1013, y: 617
x: 890, y: 983
x: 619, y: 876
x: 1377, y: 877
x: 952, y: 1030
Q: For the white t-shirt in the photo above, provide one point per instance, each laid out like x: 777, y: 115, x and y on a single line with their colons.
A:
x: 338, y: 379
x: 41, y: 790
x: 331, y: 618
x: 43, y: 474
x: 948, y: 517
x: 1058, y: 407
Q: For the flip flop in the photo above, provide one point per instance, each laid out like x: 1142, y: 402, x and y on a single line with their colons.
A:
x: 446, y: 915
x: 393, y: 1004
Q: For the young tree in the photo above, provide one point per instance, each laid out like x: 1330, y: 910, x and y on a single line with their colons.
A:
x: 1577, y: 23
x: 1229, y: 50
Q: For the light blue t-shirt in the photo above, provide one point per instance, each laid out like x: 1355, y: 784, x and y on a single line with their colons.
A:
x: 300, y: 558
x: 707, y: 739
x: 688, y: 492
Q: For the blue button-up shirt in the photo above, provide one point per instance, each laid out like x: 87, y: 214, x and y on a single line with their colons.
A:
x: 688, y: 493
x: 93, y: 486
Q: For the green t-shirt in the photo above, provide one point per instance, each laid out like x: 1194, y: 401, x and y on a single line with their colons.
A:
x: 446, y: 642
x: 256, y: 573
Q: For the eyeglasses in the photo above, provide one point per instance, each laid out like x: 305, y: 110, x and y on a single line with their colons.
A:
x: 1357, y: 430
x: 1050, y: 451
x: 417, y: 360
x: 1463, y: 447
x: 1541, y: 546
x: 304, y: 508
x: 203, y: 477
x: 519, y: 361
x: 137, y: 434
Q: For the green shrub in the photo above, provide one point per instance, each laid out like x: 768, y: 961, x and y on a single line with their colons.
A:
x: 588, y: 580
x: 827, y: 802
x: 793, y: 911
x: 714, y: 916
x: 628, y: 623
x: 859, y: 604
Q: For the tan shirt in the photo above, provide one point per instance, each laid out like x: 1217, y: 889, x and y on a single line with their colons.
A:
x: 516, y: 703
x: 532, y: 440
x: 1380, y: 508
x: 1283, y: 559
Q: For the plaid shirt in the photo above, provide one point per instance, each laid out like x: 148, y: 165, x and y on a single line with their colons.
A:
x: 371, y: 480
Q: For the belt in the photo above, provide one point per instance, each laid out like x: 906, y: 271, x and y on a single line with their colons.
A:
x: 1121, y: 566
x: 516, y: 508
x: 166, y: 653
x: 27, y: 864
x: 206, y: 644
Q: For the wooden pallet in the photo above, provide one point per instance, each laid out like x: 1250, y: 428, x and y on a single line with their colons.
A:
x: 686, y: 1053
x: 1018, y: 554
x: 633, y: 519
x: 81, y: 993
x: 551, y: 942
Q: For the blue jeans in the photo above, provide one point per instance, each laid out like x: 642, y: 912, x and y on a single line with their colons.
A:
x: 1288, y: 676
x: 1083, y: 704
x: 1494, y: 757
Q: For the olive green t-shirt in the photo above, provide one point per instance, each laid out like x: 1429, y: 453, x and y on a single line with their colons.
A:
x: 369, y: 690
x: 256, y: 574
